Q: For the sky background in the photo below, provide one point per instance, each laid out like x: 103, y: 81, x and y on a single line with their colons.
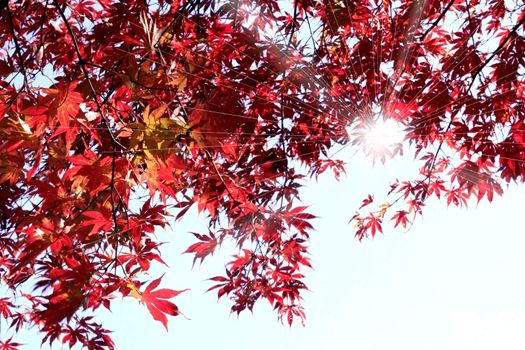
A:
x: 455, y: 280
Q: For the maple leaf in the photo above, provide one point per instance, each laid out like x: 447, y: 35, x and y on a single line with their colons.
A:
x: 373, y: 224
x: 400, y: 217
x: 203, y: 248
x: 9, y: 344
x: 156, y: 300
x: 367, y: 201
x: 98, y: 221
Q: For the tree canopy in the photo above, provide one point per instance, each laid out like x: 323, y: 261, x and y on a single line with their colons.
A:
x: 118, y: 116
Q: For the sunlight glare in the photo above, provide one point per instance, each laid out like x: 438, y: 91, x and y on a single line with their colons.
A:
x: 382, y: 137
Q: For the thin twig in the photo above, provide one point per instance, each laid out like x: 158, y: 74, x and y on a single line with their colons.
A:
x: 436, y: 22
x: 82, y: 65
x: 495, y: 52
x: 18, y: 49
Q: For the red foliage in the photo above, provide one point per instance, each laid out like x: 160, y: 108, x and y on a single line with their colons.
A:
x: 155, y: 300
x: 224, y: 105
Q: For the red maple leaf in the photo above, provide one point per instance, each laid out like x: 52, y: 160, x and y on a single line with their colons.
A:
x: 156, y: 300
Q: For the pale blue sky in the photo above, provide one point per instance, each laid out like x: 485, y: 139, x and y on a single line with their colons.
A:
x: 454, y: 281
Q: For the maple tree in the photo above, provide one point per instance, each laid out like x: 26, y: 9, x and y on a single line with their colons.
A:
x: 229, y: 105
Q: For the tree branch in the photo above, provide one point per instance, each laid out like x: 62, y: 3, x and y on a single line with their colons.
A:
x: 18, y: 50
x: 82, y: 64
x: 441, y: 15
x: 495, y: 52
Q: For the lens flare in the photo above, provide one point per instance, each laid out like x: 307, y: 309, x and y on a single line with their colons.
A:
x: 383, y: 138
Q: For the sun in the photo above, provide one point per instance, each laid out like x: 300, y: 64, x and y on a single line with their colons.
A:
x: 382, y: 138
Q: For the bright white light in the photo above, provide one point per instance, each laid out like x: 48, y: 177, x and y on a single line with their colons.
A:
x: 382, y: 137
